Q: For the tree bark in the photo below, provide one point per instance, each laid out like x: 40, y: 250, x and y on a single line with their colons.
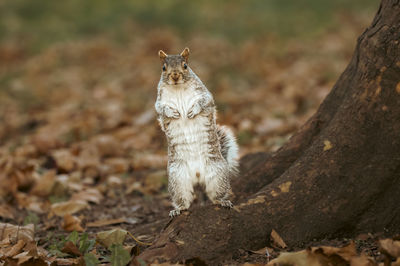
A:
x: 339, y: 175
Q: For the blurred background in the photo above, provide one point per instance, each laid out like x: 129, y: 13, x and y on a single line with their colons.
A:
x: 90, y: 67
x: 78, y: 84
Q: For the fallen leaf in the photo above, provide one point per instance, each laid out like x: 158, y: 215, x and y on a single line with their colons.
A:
x: 347, y: 252
x: 116, y: 165
x: 320, y: 256
x: 107, y: 145
x: 5, y: 242
x: 114, y: 181
x: 300, y: 258
x: 16, y: 248
x: 71, y: 248
x: 31, y: 202
x: 45, y: 140
x: 277, y: 239
x: 24, y: 257
x: 101, y: 223
x: 180, y: 242
x: 114, y: 236
x: 263, y: 251
x: 69, y: 261
x: 68, y: 207
x: 88, y: 195
x: 90, y: 259
x: 72, y: 223
x: 64, y: 159
x: 15, y: 232
x: 135, y: 186
x: 6, y: 211
x: 362, y: 260
x: 44, y: 184
x: 119, y: 256
x: 390, y: 247
x: 327, y: 145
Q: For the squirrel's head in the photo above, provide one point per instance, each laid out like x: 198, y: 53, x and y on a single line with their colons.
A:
x: 175, y: 69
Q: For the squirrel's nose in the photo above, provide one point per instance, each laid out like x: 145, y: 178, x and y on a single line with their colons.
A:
x: 175, y: 76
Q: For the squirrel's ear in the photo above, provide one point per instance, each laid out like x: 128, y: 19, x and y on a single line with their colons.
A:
x: 162, y: 55
x: 185, y: 54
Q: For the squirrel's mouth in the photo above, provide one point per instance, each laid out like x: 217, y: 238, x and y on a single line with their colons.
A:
x: 176, y: 79
x: 176, y: 82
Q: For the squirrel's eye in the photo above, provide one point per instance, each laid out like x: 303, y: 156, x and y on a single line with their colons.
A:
x: 164, y: 68
x: 185, y: 66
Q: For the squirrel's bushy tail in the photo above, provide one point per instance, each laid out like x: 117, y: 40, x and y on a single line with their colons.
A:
x: 229, y: 147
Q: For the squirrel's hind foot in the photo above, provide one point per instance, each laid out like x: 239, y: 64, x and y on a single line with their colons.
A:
x: 174, y: 213
x: 226, y: 204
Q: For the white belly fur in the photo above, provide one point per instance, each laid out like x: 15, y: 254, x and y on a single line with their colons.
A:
x: 188, y: 136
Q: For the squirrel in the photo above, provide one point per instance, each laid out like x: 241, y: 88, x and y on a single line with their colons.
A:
x: 199, y: 150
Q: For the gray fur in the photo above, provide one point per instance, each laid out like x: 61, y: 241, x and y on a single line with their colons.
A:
x: 199, y: 150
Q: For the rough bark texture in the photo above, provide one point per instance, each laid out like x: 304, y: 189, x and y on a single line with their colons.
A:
x: 337, y: 176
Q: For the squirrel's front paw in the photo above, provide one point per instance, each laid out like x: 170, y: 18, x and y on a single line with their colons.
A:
x: 171, y: 112
x: 194, y: 110
x: 174, y: 213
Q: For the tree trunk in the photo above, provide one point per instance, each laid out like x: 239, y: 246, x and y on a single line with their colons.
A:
x: 337, y: 176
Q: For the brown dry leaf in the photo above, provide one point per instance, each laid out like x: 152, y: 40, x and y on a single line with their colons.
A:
x: 319, y: 256
x: 33, y: 249
x: 263, y: 251
x: 277, y: 239
x: 114, y: 181
x: 346, y: 252
x: 67, y: 262
x: 396, y: 263
x: 71, y: 248
x: 88, y: 195
x: 68, y: 207
x: 15, y: 232
x: 101, y: 223
x: 300, y: 258
x: 89, y: 158
x: 107, y: 145
x: 6, y: 211
x: 24, y: 257
x: 135, y: 186
x: 116, y: 165
x: 390, y: 247
x: 362, y: 260
x: 6, y: 242
x: 25, y: 178
x: 72, y: 223
x: 8, y: 186
x: 44, y: 184
x: 64, y: 160
x: 31, y: 202
x: 16, y: 248
x: 45, y: 140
